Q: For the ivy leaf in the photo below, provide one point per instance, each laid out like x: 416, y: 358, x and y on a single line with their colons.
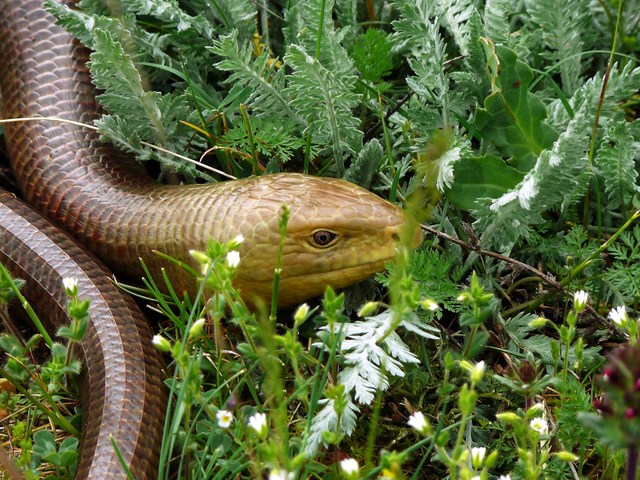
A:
x: 513, y: 119
x: 481, y: 177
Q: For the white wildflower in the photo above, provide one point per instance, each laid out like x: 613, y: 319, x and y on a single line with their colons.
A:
x: 580, y: 299
x: 70, y: 285
x: 301, y: 314
x: 239, y: 239
x: 258, y: 422
x: 477, y: 456
x: 619, y: 316
x: 477, y: 371
x: 428, y: 304
x: 233, y: 258
x: 161, y: 343
x: 536, y: 409
x: 350, y: 467
x: 280, y: 474
x: 224, y: 417
x: 419, y: 422
x: 540, y: 425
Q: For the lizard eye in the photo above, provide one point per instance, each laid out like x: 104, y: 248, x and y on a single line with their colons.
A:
x: 323, y: 238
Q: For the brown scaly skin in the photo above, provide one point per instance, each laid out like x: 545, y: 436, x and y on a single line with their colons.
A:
x: 121, y: 215
x: 122, y: 392
x: 105, y: 201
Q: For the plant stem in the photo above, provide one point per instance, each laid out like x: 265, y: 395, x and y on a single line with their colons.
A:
x: 632, y: 462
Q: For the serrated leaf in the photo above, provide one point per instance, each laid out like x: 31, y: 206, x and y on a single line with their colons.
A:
x: 364, y: 167
x: 371, y: 53
x: 481, y: 177
x: 616, y: 159
x: 513, y: 119
x: 264, y: 80
x: 325, y: 100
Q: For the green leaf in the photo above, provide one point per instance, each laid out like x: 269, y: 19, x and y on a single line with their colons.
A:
x: 513, y: 119
x: 44, y: 445
x: 363, y: 169
x: 325, y: 99
x: 257, y: 73
x: 481, y: 177
x: 616, y: 161
x: 372, y: 55
x: 610, y: 431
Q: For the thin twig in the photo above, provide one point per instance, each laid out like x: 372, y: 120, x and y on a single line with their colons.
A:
x: 549, y: 280
x: 92, y: 127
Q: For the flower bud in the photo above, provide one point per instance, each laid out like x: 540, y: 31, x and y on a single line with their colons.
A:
x: 197, y: 328
x: 70, y: 286
x: 161, y: 343
x: 367, y: 309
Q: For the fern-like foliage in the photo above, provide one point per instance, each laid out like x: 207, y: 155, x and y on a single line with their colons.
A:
x: 170, y: 13
x: 325, y: 100
x: 504, y: 220
x: 238, y: 15
x: 365, y: 165
x: 623, y: 276
x: 617, y: 157
x: 271, y: 140
x: 316, y: 33
x: 455, y: 14
x: 258, y: 74
x: 563, y: 26
x: 147, y: 111
x: 496, y: 20
x: 368, y: 362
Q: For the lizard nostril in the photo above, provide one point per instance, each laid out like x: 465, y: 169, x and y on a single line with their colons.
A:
x: 395, y: 237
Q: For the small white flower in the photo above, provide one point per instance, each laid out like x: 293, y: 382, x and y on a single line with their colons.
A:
x: 70, y: 285
x: 418, y: 422
x: 258, y: 422
x: 477, y: 456
x: 233, y: 258
x: 428, y: 304
x: 477, y: 477
x: 239, y: 239
x: 477, y: 371
x: 225, y: 418
x: 161, y: 343
x: 279, y: 474
x: 350, y: 466
x: 505, y: 477
x: 619, y: 316
x: 540, y: 425
x: 580, y: 299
